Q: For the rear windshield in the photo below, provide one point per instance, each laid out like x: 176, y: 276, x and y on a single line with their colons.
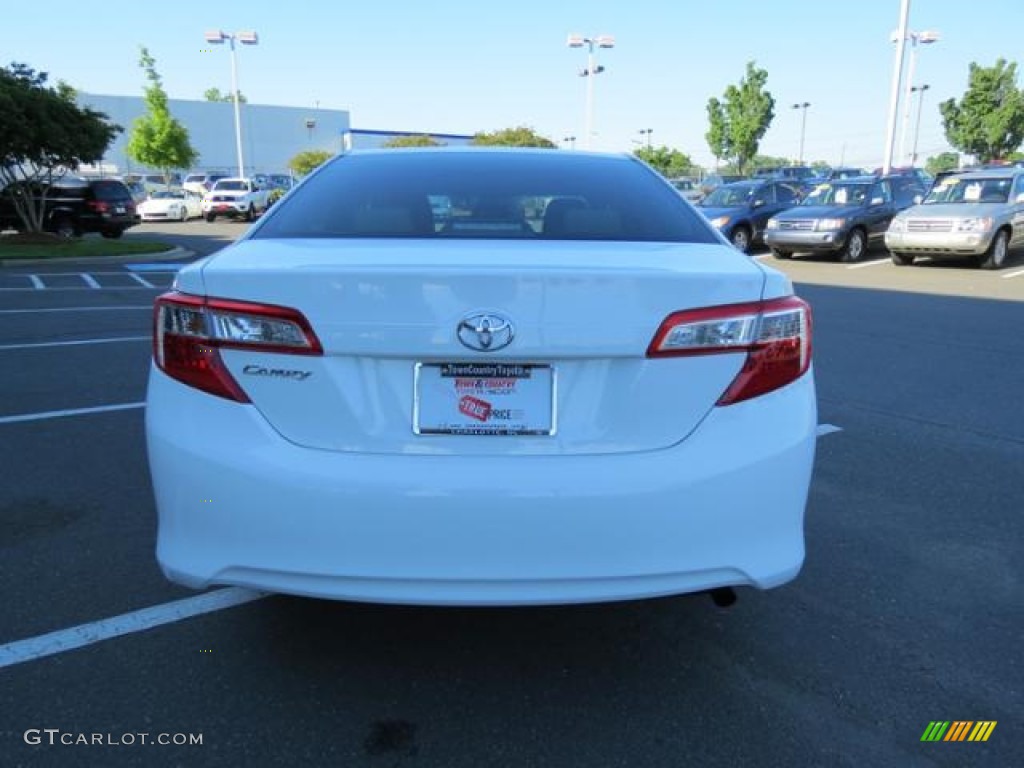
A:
x: 553, y: 195
x: 110, y: 190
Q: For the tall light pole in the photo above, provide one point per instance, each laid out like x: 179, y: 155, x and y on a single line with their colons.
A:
x: 803, y: 128
x: 648, y: 132
x: 571, y: 141
x: 924, y: 38
x: 894, y: 91
x: 592, y: 70
x: 919, y: 89
x: 217, y: 37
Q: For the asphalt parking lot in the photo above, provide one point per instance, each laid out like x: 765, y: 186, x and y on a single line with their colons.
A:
x: 908, y: 609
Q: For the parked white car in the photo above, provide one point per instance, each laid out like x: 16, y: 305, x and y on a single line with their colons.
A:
x: 592, y: 399
x: 236, y: 198
x: 179, y: 205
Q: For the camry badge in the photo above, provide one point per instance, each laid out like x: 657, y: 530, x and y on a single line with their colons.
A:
x: 485, y: 332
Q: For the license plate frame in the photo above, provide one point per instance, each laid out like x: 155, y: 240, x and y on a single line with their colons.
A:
x: 492, y: 399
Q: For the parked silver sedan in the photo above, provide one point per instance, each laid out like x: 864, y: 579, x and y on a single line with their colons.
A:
x: 978, y: 214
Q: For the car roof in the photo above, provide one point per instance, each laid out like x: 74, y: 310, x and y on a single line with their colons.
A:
x: 991, y: 173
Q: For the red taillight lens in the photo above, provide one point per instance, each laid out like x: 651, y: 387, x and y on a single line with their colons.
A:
x: 98, y: 205
x: 189, y: 331
x: 775, y: 334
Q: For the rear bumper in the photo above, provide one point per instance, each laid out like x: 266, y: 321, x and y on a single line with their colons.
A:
x: 239, y: 505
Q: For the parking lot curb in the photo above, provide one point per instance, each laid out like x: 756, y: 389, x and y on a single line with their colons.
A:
x: 174, y: 254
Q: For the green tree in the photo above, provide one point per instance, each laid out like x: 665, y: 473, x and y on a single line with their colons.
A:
x: 43, y: 135
x: 944, y: 161
x: 737, y: 124
x: 520, y: 136
x: 413, y: 141
x: 670, y: 163
x: 306, y: 161
x: 214, y: 94
x: 158, y: 140
x: 988, y: 122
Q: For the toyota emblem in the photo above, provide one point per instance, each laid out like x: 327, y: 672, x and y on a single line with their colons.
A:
x: 485, y: 332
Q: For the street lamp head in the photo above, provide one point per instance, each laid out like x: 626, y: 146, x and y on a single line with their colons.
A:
x: 214, y: 36
x: 247, y: 38
x: 575, y: 41
x: 920, y: 88
x: 928, y: 36
x: 804, y: 105
x: 605, y: 41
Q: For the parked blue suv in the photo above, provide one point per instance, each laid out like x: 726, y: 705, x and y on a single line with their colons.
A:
x: 741, y: 210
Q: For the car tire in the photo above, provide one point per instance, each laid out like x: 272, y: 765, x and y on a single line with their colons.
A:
x: 995, y: 256
x: 856, y: 246
x: 901, y: 259
x: 112, y: 234
x: 184, y: 215
x: 778, y: 254
x: 65, y: 227
x: 211, y: 216
x: 250, y: 213
x: 740, y: 238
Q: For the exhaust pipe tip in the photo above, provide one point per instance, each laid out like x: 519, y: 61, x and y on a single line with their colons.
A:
x: 723, y: 597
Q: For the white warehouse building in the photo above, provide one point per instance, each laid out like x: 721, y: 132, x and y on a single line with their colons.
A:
x: 271, y: 136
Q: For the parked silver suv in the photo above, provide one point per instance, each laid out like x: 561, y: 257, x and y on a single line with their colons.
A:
x: 979, y: 214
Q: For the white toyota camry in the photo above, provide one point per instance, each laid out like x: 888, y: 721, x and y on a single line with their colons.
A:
x: 560, y: 386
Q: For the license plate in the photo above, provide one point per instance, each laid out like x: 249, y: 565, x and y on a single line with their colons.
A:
x: 484, y: 399
x: 223, y: 208
x: 119, y: 209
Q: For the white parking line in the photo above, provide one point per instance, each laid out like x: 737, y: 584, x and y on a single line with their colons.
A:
x: 38, y: 284
x: 148, y: 307
x: 873, y: 263
x: 80, y: 342
x: 89, y: 280
x: 63, y: 640
x: 23, y: 417
x: 139, y: 280
x: 828, y: 429
x: 1018, y: 273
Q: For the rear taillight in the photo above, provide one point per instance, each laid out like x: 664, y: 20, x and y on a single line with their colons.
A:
x: 775, y: 334
x: 189, y: 331
x: 98, y: 205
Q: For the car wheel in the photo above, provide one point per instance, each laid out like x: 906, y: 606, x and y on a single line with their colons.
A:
x: 184, y: 215
x: 855, y: 246
x: 65, y: 227
x: 901, y: 259
x: 995, y: 256
x: 250, y: 213
x: 211, y: 216
x: 112, y: 234
x: 781, y: 254
x: 740, y: 239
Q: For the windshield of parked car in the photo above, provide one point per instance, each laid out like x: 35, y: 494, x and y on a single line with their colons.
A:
x: 231, y: 186
x: 171, y: 195
x: 729, y: 196
x: 837, y: 194
x: 961, y: 190
x: 488, y: 195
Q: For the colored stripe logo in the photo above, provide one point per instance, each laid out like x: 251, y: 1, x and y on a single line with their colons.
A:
x: 959, y: 730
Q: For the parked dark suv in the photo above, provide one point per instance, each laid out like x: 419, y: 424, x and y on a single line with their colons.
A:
x: 844, y: 217
x: 77, y: 206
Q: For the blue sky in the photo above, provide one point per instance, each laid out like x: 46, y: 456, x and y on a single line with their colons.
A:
x: 452, y: 66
